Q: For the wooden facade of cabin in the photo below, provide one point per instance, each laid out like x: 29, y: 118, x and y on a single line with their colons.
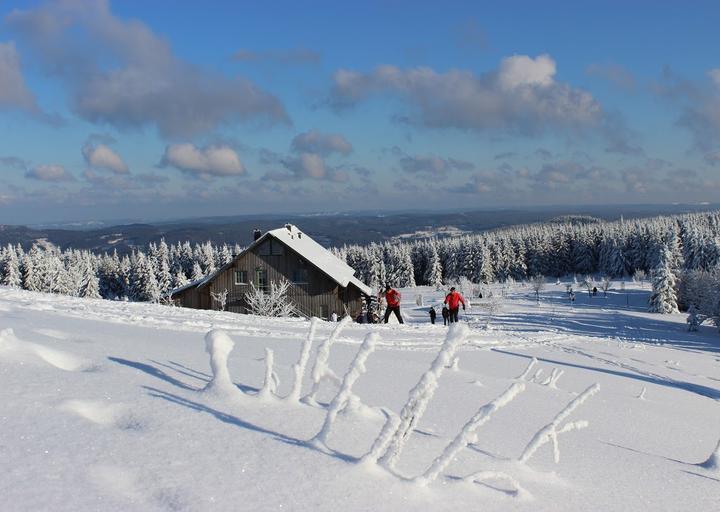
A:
x: 312, y: 291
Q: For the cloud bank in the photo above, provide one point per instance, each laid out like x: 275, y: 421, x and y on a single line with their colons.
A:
x: 120, y: 73
x: 520, y: 97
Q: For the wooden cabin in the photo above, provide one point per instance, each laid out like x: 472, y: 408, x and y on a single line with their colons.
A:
x: 320, y: 283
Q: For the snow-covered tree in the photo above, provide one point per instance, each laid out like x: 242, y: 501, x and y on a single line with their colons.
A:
x: 89, y: 284
x: 143, y: 285
x: 10, y: 268
x: 664, y: 297
x: 433, y: 270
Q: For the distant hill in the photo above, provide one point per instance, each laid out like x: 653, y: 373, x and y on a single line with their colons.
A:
x: 330, y: 229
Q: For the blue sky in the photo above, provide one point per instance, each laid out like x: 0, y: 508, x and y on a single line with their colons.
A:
x: 165, y: 109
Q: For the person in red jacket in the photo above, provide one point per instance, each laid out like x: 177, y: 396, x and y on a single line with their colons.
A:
x: 453, y: 301
x: 392, y: 298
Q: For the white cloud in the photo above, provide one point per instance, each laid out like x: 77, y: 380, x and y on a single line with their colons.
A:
x: 307, y: 165
x: 127, y: 76
x: 321, y: 143
x: 522, y: 97
x: 102, y: 157
x: 213, y: 160
x: 13, y: 90
x: 49, y: 173
x: 520, y: 70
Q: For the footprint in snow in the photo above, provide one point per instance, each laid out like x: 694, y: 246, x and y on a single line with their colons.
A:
x: 104, y: 413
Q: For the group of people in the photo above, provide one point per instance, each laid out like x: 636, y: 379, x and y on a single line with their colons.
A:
x: 392, y: 298
x: 450, y: 309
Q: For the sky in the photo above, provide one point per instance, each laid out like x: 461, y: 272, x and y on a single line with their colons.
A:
x: 159, y: 110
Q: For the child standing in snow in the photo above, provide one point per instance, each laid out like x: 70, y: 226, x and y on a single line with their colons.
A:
x: 445, y: 314
x: 433, y: 314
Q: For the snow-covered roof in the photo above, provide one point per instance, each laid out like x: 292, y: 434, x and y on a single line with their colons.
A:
x: 334, y: 267
x: 191, y: 284
x: 339, y: 271
x: 363, y: 287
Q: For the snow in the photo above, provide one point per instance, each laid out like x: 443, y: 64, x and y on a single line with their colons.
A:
x: 103, y: 408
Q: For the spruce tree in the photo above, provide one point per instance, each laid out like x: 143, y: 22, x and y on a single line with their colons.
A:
x: 664, y: 297
x: 10, y: 269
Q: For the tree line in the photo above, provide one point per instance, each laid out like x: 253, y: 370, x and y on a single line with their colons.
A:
x: 681, y: 253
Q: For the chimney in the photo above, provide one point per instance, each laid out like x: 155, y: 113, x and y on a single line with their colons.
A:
x: 256, y: 234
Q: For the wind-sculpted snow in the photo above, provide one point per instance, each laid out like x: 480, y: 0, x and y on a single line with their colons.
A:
x: 219, y: 345
x: 139, y: 433
x: 57, y: 358
x: 713, y: 462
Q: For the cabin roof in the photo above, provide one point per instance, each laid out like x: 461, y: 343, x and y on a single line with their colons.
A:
x: 339, y: 271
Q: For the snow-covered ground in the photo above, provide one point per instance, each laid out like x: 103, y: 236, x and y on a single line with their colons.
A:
x: 102, y: 408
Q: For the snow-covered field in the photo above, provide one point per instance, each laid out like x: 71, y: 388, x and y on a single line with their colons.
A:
x: 102, y: 408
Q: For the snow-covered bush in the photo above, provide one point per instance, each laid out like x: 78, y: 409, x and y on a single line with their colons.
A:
x: 468, y: 433
x: 605, y: 285
x: 639, y: 276
x: 422, y: 393
x: 320, y: 369
x: 538, y: 284
x: 273, y: 302
x: 693, y: 319
x: 552, y: 430
x: 343, y: 396
x: 299, y: 367
x: 270, y: 382
x: 220, y: 298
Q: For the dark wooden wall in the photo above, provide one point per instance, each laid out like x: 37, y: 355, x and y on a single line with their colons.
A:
x: 320, y: 290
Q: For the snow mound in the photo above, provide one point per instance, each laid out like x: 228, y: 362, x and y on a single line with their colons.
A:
x: 57, y: 358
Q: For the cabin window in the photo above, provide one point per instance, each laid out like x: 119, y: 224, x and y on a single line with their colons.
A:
x: 261, y: 279
x: 300, y: 276
x: 324, y: 312
x: 264, y: 249
x: 241, y: 277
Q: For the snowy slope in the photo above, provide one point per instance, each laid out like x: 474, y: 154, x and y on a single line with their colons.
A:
x: 103, y: 409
